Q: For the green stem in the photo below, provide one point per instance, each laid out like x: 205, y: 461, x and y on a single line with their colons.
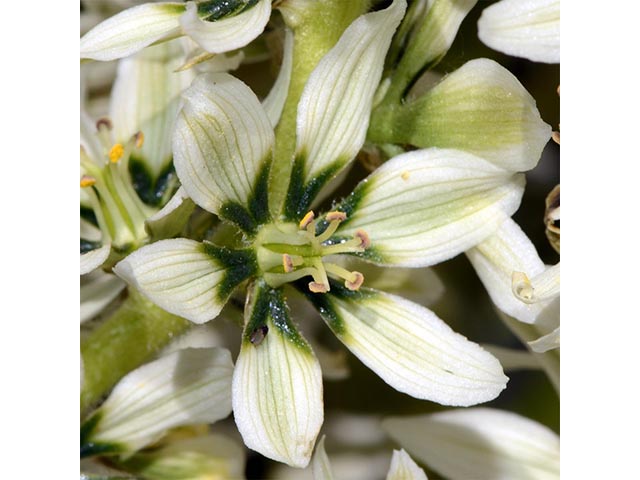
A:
x: 129, y: 338
x: 316, y: 26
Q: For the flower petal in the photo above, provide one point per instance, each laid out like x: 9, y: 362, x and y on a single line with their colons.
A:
x: 480, y: 443
x: 274, y: 102
x: 277, y: 383
x: 132, y: 30
x: 320, y: 464
x: 97, y: 290
x: 426, y: 206
x: 185, y: 277
x: 228, y: 33
x: 145, y: 97
x: 495, y: 260
x: 409, y: 347
x: 184, y: 388
x: 524, y: 29
x: 204, y: 457
x: 222, y: 149
x: 172, y: 218
x: 404, y: 468
x: 334, y: 109
x: 92, y: 259
x: 480, y: 108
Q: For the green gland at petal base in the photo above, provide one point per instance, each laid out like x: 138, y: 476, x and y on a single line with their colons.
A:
x: 287, y: 252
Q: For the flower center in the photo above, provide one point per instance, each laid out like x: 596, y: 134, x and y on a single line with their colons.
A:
x: 106, y: 182
x: 287, y: 252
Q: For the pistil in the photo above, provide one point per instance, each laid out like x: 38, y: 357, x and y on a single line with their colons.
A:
x: 287, y: 252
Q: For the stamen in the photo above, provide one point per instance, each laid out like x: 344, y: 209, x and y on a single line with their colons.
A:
x: 336, y: 215
x: 87, y: 181
x: 361, y: 235
x: 306, y: 220
x: 356, y: 283
x: 139, y: 139
x: 116, y: 153
x: 287, y: 263
x: 104, y: 123
x: 316, y: 287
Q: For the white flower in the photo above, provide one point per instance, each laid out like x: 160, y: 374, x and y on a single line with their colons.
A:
x: 215, y: 26
x: 479, y: 443
x: 418, y: 209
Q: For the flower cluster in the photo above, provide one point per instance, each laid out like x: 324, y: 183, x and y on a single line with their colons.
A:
x: 206, y: 200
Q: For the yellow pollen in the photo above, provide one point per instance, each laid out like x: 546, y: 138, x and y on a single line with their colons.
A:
x: 356, y: 283
x: 316, y: 287
x: 87, y: 181
x: 361, y: 235
x: 139, y: 137
x: 116, y: 153
x: 306, y: 220
x: 339, y: 216
x: 287, y: 263
x: 405, y: 175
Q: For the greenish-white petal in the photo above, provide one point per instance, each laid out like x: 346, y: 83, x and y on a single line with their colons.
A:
x: 333, y: 112
x: 145, y: 98
x: 410, y: 348
x: 480, y: 108
x: 97, y: 290
x: 528, y: 29
x: 92, y: 259
x: 132, y: 30
x: 185, y: 277
x: 274, y: 102
x: 404, y: 468
x: 188, y: 387
x: 424, y: 37
x: 427, y: 206
x: 170, y: 220
x: 88, y: 231
x: 480, y: 443
x: 277, y: 383
x: 320, y: 464
x: 512, y: 359
x: 496, y: 258
x: 222, y: 148
x: 547, y: 342
x: 206, y: 457
x: 228, y: 33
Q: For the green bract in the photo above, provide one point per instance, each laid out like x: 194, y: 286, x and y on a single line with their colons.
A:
x: 420, y: 208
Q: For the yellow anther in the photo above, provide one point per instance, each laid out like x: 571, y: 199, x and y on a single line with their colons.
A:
x: 361, y: 235
x: 356, y: 283
x: 306, y: 220
x: 316, y: 287
x: 116, y: 153
x: 87, y: 181
x: 287, y: 263
x: 139, y: 138
x: 405, y: 175
x: 339, y: 216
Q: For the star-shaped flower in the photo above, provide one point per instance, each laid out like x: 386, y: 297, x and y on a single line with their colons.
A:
x: 419, y: 208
